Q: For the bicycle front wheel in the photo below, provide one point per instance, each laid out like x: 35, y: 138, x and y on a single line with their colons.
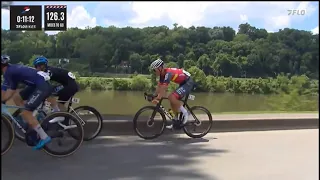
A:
x: 153, y: 121
x: 93, y: 121
x: 200, y: 119
x: 59, y: 134
x: 7, y: 134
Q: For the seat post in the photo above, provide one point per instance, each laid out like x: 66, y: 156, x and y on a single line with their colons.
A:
x: 70, y: 103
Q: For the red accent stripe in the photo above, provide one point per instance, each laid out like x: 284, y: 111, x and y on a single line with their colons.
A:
x: 55, y: 6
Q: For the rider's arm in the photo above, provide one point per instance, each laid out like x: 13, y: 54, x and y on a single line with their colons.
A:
x: 162, y: 91
x: 8, y: 89
x: 163, y: 85
x: 157, y: 89
x: 7, y: 95
x: 3, y: 90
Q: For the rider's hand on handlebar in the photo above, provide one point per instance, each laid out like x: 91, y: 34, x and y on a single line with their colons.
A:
x: 148, y: 97
x: 152, y: 98
x: 155, y: 101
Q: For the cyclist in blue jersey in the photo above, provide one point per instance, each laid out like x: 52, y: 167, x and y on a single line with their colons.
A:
x: 14, y: 74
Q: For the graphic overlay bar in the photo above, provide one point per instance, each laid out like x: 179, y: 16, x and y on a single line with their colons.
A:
x: 25, y: 18
x: 55, y: 17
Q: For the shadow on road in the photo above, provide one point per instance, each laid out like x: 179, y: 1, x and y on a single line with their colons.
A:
x: 113, y: 158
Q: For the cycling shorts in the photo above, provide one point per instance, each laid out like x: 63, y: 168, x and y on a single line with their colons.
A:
x: 64, y: 93
x: 35, y: 95
x: 184, y: 88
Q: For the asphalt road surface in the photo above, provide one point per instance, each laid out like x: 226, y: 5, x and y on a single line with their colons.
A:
x: 265, y: 155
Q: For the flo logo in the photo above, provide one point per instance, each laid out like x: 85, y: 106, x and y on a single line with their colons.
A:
x: 292, y: 12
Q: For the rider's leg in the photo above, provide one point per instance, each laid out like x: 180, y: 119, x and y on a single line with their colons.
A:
x: 53, y: 103
x: 23, y: 95
x: 66, y: 93
x: 56, y: 108
x: 63, y: 96
x: 39, y: 94
x: 179, y: 93
x: 18, y: 100
x: 176, y: 105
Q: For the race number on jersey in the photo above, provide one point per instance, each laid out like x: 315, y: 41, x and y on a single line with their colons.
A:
x: 186, y: 72
x: 72, y: 76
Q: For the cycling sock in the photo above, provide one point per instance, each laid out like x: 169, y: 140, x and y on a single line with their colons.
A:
x: 185, y: 114
x: 40, y: 131
x: 183, y: 110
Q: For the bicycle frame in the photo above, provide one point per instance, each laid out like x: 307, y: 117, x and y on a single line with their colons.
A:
x: 167, y: 114
x: 69, y: 107
x: 4, y: 110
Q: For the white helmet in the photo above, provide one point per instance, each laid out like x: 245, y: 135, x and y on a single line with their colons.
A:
x: 157, y: 63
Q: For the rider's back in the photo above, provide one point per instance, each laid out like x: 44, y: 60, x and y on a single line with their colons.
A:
x: 23, y: 74
x: 175, y: 75
x: 60, y: 75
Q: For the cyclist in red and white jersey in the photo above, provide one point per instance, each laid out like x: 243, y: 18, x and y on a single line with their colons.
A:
x: 178, y: 76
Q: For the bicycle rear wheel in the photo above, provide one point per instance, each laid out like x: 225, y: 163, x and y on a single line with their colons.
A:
x: 6, y: 125
x: 202, y: 120
x: 93, y: 121
x: 152, y: 120
x: 58, y: 132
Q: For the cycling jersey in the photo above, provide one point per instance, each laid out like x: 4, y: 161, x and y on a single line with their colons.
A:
x: 17, y: 73
x: 175, y: 75
x: 68, y: 87
x: 60, y: 75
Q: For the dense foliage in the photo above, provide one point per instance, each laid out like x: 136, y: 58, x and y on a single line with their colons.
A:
x: 281, y: 84
x: 252, y: 52
x: 297, y: 93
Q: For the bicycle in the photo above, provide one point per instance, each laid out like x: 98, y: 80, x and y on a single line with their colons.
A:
x: 45, y: 109
x: 32, y: 138
x: 164, y: 114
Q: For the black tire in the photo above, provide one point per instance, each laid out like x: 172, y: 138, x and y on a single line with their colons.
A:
x: 18, y: 133
x: 87, y: 135
x: 45, y: 123
x: 6, y: 123
x: 135, y: 122
x: 207, y: 112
